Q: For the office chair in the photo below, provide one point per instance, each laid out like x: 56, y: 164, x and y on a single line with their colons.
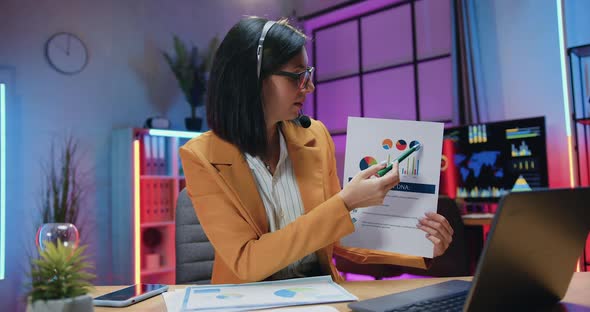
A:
x: 194, y: 252
x: 454, y: 262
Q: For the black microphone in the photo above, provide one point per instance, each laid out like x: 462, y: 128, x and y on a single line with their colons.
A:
x: 303, y: 120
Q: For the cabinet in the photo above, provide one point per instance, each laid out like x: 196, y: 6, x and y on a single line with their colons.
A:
x: 579, y: 60
x: 147, y: 177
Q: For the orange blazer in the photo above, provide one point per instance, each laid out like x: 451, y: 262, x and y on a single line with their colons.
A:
x: 228, y: 205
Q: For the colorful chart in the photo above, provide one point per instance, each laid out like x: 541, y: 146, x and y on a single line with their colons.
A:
x: 522, y: 150
x: 478, y: 134
x: 411, y: 167
x: 366, y: 162
x: 387, y: 144
x: 521, y: 185
x: 292, y: 292
x: 401, y: 145
x: 524, y: 165
x: 521, y: 133
x: 480, y: 193
x: 229, y: 296
x: 413, y: 143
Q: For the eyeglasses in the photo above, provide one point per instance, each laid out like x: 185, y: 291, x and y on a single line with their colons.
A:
x: 302, y: 78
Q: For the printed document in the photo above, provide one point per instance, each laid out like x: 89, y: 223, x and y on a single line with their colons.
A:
x: 273, y: 294
x: 392, y: 226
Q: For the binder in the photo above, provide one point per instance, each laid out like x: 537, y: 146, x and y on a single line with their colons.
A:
x: 154, y: 144
x: 147, y: 157
x: 162, y: 156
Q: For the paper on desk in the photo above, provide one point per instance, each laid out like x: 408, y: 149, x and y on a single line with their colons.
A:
x: 261, y: 295
x: 392, y: 226
x: 304, y: 309
x: 173, y: 300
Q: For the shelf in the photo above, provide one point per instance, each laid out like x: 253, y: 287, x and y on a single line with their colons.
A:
x: 157, y: 224
x: 158, y: 271
x: 157, y: 194
x: 580, y: 51
x: 584, y: 121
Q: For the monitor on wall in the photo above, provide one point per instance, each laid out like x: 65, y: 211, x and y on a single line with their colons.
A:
x: 482, y: 162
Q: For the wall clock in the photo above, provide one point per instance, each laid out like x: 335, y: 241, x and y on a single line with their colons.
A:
x: 66, y: 53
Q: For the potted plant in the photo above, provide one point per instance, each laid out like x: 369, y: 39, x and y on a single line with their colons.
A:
x: 60, y: 281
x: 64, y: 187
x: 191, y: 71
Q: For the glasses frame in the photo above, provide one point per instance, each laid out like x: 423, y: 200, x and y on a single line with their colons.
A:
x: 303, y: 82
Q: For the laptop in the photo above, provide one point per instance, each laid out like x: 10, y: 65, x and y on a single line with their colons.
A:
x: 527, y: 263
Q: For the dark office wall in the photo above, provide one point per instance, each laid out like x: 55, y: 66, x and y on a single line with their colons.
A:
x: 519, y: 49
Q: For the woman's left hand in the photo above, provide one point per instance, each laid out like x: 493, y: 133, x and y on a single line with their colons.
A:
x: 438, y: 230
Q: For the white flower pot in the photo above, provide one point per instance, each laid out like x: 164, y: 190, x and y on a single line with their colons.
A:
x: 76, y: 304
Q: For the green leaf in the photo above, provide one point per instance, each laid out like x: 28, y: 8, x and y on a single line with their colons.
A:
x: 189, y: 68
x: 60, y: 272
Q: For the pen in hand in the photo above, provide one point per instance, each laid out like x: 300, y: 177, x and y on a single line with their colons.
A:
x: 399, y: 159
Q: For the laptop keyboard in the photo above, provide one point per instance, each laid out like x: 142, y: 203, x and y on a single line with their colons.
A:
x: 451, y: 303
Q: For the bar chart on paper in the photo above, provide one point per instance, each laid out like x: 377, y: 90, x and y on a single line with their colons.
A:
x: 411, y: 166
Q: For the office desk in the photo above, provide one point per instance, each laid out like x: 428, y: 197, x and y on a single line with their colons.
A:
x: 577, y: 293
x: 478, y: 219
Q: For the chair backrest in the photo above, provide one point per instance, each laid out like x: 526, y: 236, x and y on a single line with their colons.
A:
x: 454, y: 262
x: 194, y: 252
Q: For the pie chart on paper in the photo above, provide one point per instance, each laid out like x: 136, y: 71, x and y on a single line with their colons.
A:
x: 387, y: 144
x: 401, y: 145
x: 366, y: 162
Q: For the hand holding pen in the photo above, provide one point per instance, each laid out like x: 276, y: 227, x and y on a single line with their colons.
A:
x: 366, y: 190
x: 399, y: 159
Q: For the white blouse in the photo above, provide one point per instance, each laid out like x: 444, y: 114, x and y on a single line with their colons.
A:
x: 282, y: 202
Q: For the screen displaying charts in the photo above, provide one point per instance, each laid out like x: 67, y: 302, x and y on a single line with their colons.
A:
x: 485, y: 161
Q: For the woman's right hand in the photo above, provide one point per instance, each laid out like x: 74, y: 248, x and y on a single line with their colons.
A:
x: 366, y: 189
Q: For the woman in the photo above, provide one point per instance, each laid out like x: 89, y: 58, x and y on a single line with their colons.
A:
x: 264, y: 188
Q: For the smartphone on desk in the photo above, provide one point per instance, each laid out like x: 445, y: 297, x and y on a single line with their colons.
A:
x: 129, y: 295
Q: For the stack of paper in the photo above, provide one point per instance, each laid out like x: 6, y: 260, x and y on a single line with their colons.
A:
x: 253, y: 296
